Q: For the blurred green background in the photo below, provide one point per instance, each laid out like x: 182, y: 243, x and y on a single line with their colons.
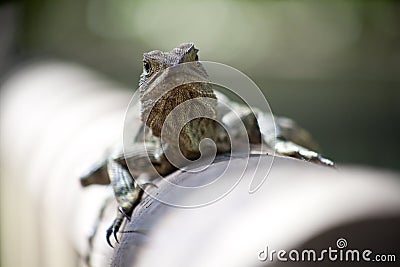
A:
x: 333, y: 66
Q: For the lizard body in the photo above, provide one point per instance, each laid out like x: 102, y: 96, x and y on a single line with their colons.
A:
x: 157, y: 102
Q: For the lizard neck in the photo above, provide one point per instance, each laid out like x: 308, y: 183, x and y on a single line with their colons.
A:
x: 190, y: 122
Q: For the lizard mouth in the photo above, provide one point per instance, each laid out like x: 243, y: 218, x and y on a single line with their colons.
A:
x: 171, y: 87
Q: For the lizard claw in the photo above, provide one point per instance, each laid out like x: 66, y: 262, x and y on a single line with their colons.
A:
x: 108, y: 235
x: 114, y: 228
x: 115, y: 235
x: 291, y: 149
x: 325, y: 161
x: 124, y: 213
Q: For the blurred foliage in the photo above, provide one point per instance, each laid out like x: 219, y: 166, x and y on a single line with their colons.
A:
x: 334, y: 66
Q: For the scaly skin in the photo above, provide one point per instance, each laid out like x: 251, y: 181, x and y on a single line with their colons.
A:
x: 157, y: 101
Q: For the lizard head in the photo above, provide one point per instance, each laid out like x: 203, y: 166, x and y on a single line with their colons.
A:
x: 156, y: 61
x: 167, y: 82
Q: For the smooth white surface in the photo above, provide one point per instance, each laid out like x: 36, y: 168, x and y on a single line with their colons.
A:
x: 297, y: 201
x: 56, y: 119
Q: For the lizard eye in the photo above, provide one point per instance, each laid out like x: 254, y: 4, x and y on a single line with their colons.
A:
x: 146, y: 67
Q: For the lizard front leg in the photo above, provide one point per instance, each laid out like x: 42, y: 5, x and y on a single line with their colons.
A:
x: 142, y: 157
x: 127, y: 193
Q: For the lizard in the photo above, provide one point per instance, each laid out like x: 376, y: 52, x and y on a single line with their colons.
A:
x: 156, y: 104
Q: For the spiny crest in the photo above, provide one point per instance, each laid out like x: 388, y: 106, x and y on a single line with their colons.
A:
x: 182, y: 53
